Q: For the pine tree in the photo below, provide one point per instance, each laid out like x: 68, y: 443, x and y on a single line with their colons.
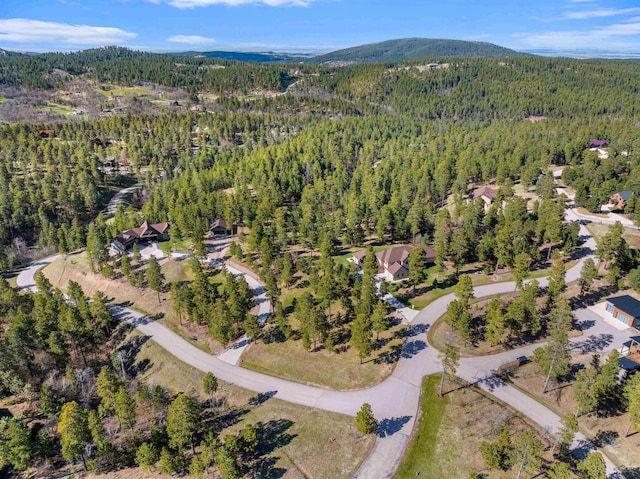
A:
x: 183, y: 421
x: 366, y: 422
x: 74, y: 432
x: 593, y: 467
x: 154, y: 276
x: 125, y: 408
x: 450, y: 359
x: 495, y: 322
x: 361, y: 336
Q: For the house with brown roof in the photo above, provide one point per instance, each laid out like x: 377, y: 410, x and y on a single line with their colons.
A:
x: 393, y: 263
x: 219, y: 228
x: 598, y: 143
x: 487, y: 194
x: 142, y: 234
x: 620, y: 198
x: 47, y: 133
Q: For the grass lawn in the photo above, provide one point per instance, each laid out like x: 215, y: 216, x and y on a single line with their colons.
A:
x: 337, y: 370
x: 528, y: 194
x: 441, y: 334
x: 632, y: 236
x: 310, y: 443
x: 447, y: 435
x: 608, y: 430
x: 585, y: 212
x: 177, y: 245
x: 143, y: 300
x: 125, y: 91
x: 348, y: 253
x: 60, y: 109
x: 432, y: 289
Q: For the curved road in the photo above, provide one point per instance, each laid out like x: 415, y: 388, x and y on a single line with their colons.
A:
x: 395, y: 401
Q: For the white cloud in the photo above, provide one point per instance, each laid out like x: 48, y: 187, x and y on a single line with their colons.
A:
x: 191, y: 39
x: 237, y: 3
x: 600, y: 38
x: 23, y: 30
x: 600, y: 13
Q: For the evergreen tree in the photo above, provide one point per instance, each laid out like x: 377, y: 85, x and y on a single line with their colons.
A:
x: 154, y: 276
x: 366, y: 422
x: 74, y: 432
x: 450, y: 359
x: 183, y: 421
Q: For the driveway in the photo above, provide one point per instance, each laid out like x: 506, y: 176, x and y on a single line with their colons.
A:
x: 395, y: 401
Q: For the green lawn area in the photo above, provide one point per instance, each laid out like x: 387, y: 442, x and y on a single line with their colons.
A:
x: 311, y: 443
x: 427, y: 293
x: 632, y: 236
x: 176, y: 245
x: 420, y: 457
x: 60, y: 109
x: 125, y: 91
x: 446, y: 438
x: 348, y: 253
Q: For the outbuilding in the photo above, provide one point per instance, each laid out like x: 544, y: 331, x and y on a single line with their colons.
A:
x: 625, y: 309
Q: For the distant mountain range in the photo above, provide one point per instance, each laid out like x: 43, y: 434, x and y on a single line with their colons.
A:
x: 263, y: 57
x: 410, y: 48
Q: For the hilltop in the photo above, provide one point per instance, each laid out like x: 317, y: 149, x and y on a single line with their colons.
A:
x: 258, y: 57
x: 410, y: 48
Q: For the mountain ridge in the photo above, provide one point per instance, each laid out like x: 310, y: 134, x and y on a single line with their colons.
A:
x: 412, y: 48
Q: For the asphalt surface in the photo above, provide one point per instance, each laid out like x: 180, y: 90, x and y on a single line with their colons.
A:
x: 395, y: 401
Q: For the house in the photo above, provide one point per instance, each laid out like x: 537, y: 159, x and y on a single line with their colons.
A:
x: 598, y: 143
x: 219, y: 228
x: 393, y: 263
x: 358, y: 256
x: 625, y: 309
x: 630, y: 354
x: 619, y: 199
x: 142, y: 234
x: 488, y: 195
x: 47, y: 133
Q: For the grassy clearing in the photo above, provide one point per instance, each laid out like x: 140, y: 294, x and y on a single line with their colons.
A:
x: 145, y: 301
x: 585, y: 212
x: 526, y: 193
x: 608, y: 431
x: 441, y: 333
x: 348, y: 253
x: 310, y: 443
x: 446, y: 439
x: 337, y: 370
x: 598, y: 230
x: 438, y: 285
x: 125, y: 91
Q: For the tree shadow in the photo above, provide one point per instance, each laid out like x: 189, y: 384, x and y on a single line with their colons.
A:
x: 265, y: 468
x: 605, y: 438
x: 128, y: 353
x: 390, y: 426
x: 261, y: 398
x: 593, y: 343
x: 272, y: 435
x: 411, y: 348
x: 389, y: 357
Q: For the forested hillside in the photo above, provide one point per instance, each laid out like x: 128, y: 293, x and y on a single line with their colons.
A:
x: 329, y: 173
x: 411, y: 48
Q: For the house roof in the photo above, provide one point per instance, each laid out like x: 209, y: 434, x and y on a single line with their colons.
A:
x: 627, y: 304
x: 219, y: 223
x: 490, y: 193
x: 145, y: 230
x: 358, y: 255
x: 396, y: 254
x: 598, y: 143
x: 399, y: 254
x: 395, y: 267
x: 626, y: 194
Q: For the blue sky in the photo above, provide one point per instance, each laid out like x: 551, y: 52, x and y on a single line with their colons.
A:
x: 569, y: 27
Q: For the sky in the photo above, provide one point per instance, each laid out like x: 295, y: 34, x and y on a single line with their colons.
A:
x: 554, y: 27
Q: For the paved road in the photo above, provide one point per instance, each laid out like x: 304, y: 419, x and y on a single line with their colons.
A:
x: 395, y: 401
x: 118, y: 198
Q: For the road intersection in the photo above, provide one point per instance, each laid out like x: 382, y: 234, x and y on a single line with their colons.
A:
x: 395, y: 401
